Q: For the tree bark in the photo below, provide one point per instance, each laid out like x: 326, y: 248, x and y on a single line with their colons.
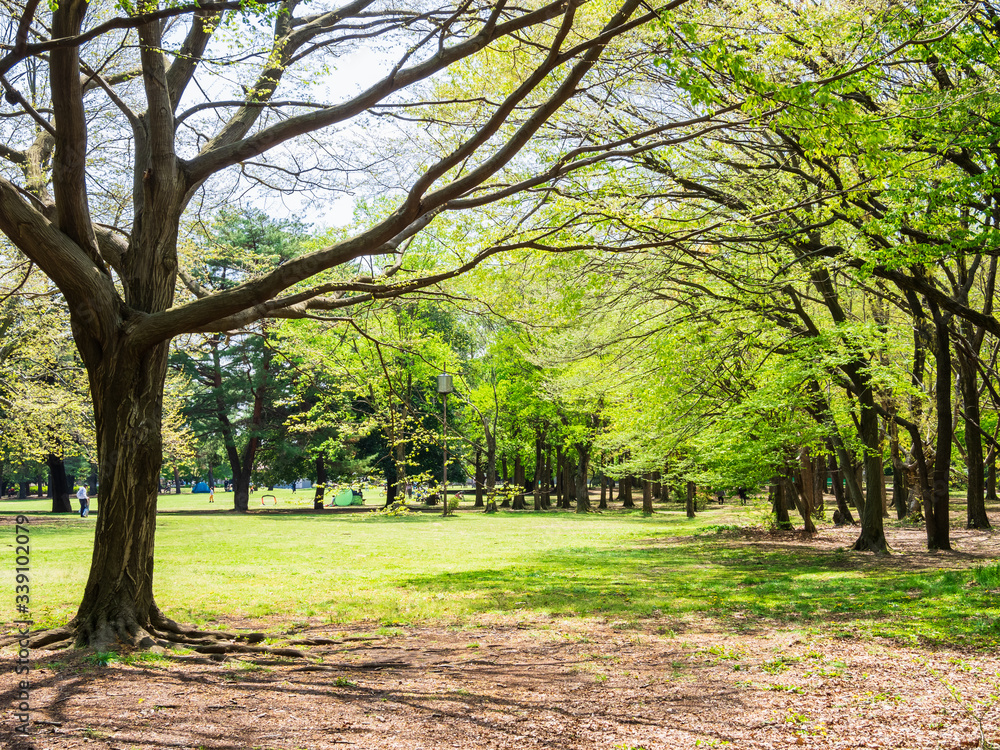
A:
x: 838, y: 492
x: 691, y: 489
x: 937, y: 507
x: 582, y: 474
x: 480, y: 479
x: 647, y: 495
x: 625, y: 492
x: 780, y: 503
x: 975, y: 497
x: 519, y: 482
x: 58, y: 485
x: 118, y: 605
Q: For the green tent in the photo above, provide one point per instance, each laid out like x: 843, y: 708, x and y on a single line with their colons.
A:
x: 344, y: 497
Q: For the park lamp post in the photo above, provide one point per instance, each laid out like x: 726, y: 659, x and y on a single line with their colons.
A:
x: 444, y: 388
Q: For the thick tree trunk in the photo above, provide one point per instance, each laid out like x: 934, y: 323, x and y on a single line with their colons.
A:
x: 625, y: 492
x: 22, y: 490
x: 241, y: 489
x: 647, y: 495
x: 59, y: 485
x: 118, y: 606
x: 691, y: 489
x: 519, y: 482
x: 321, y: 477
x: 780, y: 503
x: 657, y: 486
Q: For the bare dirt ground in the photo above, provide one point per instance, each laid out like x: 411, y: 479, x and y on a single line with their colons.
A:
x: 666, y: 682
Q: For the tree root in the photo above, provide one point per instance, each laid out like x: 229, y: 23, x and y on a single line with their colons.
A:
x: 162, y: 635
x: 866, y: 544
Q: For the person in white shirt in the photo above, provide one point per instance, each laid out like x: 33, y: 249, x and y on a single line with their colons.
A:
x: 84, y: 499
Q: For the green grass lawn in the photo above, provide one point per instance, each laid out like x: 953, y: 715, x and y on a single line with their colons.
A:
x: 275, y: 564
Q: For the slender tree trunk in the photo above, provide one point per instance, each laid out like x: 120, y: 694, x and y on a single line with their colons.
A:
x: 991, y: 475
x: 657, y: 486
x: 691, y: 506
x: 838, y: 492
x: 58, y: 485
x: 177, y: 480
x: 976, y: 517
x: 321, y: 477
x: 569, y: 489
x: 582, y: 476
x: 480, y: 479
x: 899, y: 489
x: 937, y: 508
x: 803, y: 499
x: 536, y: 486
x: 559, y: 476
x: 603, y: 505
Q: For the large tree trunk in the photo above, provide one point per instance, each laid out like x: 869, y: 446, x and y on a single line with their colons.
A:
x: 691, y: 489
x: 241, y: 490
x: 118, y: 601
x: 58, y: 485
x: 320, y: 469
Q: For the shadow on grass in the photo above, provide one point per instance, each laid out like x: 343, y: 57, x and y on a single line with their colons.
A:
x: 657, y: 584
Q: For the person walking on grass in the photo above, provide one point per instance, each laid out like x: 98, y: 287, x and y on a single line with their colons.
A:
x: 84, y: 498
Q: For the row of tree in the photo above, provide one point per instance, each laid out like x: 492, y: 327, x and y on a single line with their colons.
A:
x: 720, y: 240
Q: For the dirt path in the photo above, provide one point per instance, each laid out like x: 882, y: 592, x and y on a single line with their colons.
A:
x: 575, y: 684
x: 550, y: 684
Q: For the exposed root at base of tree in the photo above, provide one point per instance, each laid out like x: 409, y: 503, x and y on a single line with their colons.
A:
x: 161, y: 635
x: 877, y: 545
